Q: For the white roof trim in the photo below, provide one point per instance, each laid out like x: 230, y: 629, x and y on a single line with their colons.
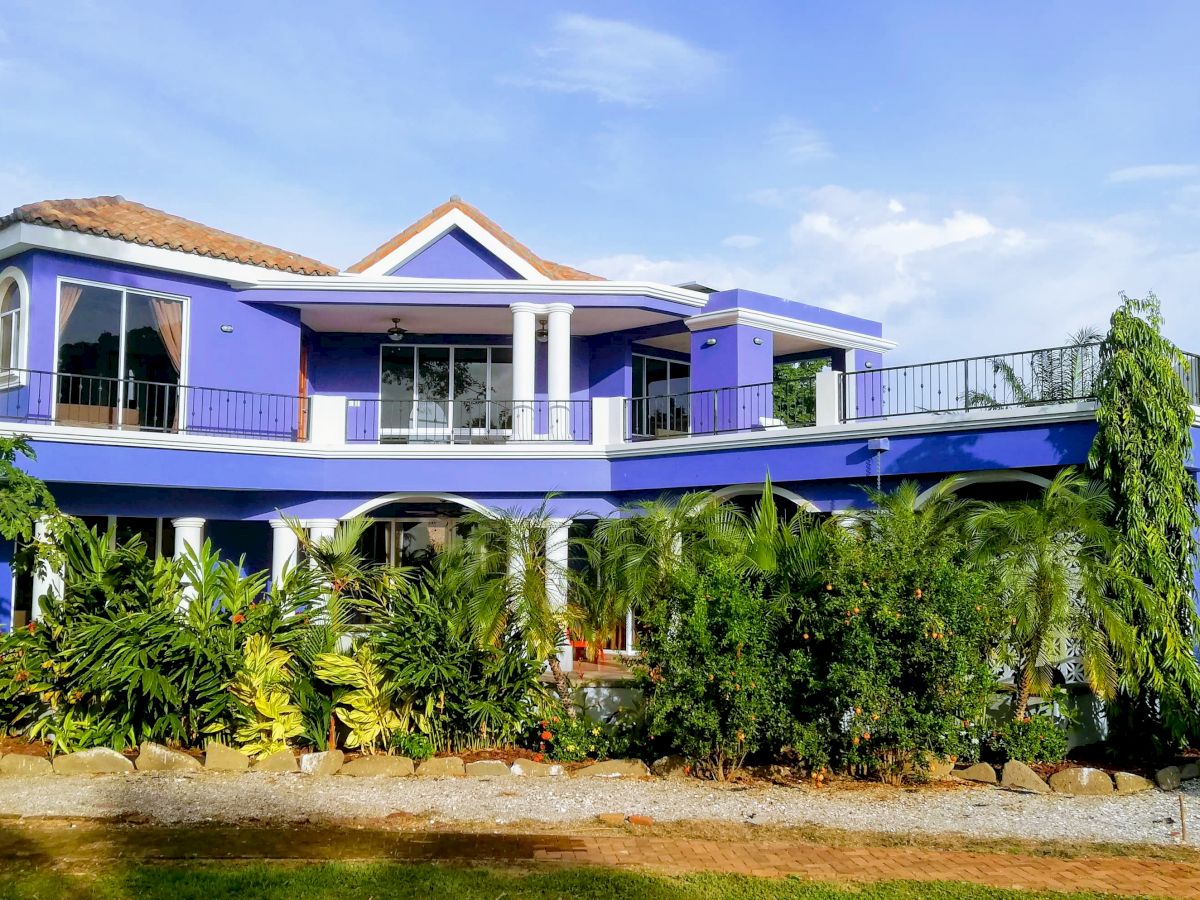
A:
x: 451, y: 219
x: 21, y: 236
x: 826, y: 334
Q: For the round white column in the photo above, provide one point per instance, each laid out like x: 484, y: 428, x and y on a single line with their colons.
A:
x: 45, y: 579
x: 321, y: 528
x: 524, y: 340
x: 558, y: 369
x: 557, y: 560
x: 285, y: 548
x: 189, y: 532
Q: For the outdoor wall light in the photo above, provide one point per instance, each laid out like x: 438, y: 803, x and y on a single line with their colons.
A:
x: 227, y: 329
x: 396, y: 333
x: 542, y: 334
x: 711, y: 342
x: 868, y: 365
x: 758, y: 342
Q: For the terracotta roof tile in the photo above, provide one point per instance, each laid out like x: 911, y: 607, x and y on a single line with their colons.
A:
x: 553, y: 270
x: 124, y: 220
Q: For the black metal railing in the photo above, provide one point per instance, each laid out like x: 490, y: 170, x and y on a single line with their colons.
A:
x: 752, y: 407
x: 1029, y: 378
x: 130, y: 404
x: 376, y: 421
x: 1190, y: 373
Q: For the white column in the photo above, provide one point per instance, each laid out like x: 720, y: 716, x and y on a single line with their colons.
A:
x: 557, y: 560
x: 524, y: 341
x: 827, y: 387
x: 321, y: 528
x: 629, y: 630
x: 189, y: 532
x: 558, y: 369
x: 45, y: 579
x: 285, y: 548
x: 327, y: 419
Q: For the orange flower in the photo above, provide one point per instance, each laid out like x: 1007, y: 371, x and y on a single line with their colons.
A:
x: 547, y: 736
x: 31, y: 626
x: 238, y: 619
x: 21, y: 675
x: 806, y: 635
x: 917, y: 593
x: 829, y: 587
x: 855, y: 742
x: 537, y: 757
x: 866, y: 735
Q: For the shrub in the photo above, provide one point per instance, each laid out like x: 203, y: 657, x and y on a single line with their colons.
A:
x: 571, y: 738
x: 267, y: 716
x: 415, y: 746
x: 712, y: 668
x: 1032, y: 739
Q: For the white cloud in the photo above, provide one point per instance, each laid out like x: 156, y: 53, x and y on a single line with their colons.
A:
x: 949, y: 281
x: 619, y: 62
x: 1154, y: 172
x: 741, y: 241
x: 797, y: 141
x: 895, y: 206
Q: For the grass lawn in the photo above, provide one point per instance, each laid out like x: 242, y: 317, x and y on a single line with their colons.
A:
x: 430, y: 882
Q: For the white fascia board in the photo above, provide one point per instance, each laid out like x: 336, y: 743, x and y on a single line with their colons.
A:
x: 455, y: 218
x: 350, y: 281
x: 826, y: 334
x: 21, y: 236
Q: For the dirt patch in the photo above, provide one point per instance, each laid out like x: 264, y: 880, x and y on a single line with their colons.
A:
x: 23, y: 747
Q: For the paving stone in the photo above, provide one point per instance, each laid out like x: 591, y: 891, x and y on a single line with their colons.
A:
x: 611, y: 818
x: 531, y: 769
x: 96, y: 761
x: 487, y: 768
x: 326, y: 762
x: 1128, y: 783
x: 1081, y: 782
x: 222, y: 758
x: 673, y: 767
x: 441, y: 766
x: 1168, y: 778
x: 1019, y: 777
x: 981, y: 772
x: 282, y: 761
x: 617, y: 768
x: 643, y: 821
x: 154, y: 757
x: 378, y: 767
x: 25, y: 765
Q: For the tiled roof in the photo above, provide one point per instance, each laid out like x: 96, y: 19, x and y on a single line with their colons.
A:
x: 124, y: 220
x: 552, y: 270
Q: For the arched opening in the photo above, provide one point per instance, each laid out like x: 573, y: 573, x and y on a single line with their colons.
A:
x: 745, y: 496
x: 999, y: 486
x: 412, y: 529
x: 14, y: 297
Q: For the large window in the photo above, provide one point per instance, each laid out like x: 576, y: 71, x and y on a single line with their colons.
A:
x: 120, y: 356
x: 660, y: 404
x: 431, y: 390
x: 12, y: 326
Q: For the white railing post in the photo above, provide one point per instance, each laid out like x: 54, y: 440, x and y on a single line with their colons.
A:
x: 608, y: 420
x: 327, y: 419
x: 828, y: 386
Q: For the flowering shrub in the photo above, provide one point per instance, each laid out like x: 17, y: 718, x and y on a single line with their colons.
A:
x: 566, y: 739
x: 1032, y: 739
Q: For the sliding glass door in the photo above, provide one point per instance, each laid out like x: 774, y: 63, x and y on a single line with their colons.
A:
x: 433, y: 391
x: 120, y: 357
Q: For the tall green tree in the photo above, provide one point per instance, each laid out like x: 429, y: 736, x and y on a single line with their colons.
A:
x: 1142, y: 446
x: 24, y: 498
x: 1053, y: 555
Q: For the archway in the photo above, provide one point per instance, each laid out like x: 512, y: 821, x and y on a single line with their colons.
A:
x: 995, y: 484
x: 409, y: 529
x: 747, y: 494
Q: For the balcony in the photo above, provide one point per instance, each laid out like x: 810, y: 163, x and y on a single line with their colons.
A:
x: 374, y: 421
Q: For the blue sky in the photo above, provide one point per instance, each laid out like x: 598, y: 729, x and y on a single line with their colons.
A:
x: 980, y: 177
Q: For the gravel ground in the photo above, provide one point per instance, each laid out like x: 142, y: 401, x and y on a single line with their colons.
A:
x: 1150, y: 817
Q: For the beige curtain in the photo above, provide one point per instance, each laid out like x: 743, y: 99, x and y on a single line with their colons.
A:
x: 68, y: 299
x: 168, y: 315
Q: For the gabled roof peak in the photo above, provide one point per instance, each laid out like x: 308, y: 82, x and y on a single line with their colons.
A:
x: 551, y: 270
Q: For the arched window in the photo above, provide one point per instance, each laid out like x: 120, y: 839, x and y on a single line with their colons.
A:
x: 12, y: 322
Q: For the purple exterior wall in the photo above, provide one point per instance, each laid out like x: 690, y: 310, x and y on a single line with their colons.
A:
x: 455, y: 255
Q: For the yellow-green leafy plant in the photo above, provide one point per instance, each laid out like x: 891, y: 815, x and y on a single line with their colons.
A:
x: 369, y: 708
x: 267, y: 716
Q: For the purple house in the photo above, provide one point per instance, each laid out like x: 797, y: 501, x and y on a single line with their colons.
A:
x: 183, y: 383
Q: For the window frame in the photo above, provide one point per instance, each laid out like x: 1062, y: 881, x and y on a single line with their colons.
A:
x: 17, y: 375
x: 451, y: 426
x: 185, y: 354
x: 638, y: 391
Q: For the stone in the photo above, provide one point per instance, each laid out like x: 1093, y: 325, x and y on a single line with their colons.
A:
x: 531, y: 769
x: 378, y: 767
x: 671, y: 767
x: 97, y: 761
x: 1168, y: 779
x: 617, y: 768
x: 1017, y: 776
x: 1128, y: 783
x: 324, y: 763
x: 221, y: 758
x: 282, y: 761
x: 25, y: 765
x: 441, y: 767
x: 157, y: 758
x: 938, y: 768
x: 487, y: 768
x: 643, y: 821
x: 1081, y: 782
x: 611, y: 818
x: 1189, y: 771
x: 981, y: 772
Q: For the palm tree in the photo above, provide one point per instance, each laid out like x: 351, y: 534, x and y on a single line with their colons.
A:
x: 932, y: 518
x: 1054, y: 559
x: 1057, y: 375
x: 514, y: 586
x: 790, y: 554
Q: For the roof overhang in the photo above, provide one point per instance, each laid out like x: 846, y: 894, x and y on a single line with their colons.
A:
x: 823, y: 335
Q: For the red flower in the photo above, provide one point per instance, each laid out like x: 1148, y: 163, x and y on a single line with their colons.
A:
x: 31, y: 626
x: 537, y: 757
x: 238, y: 619
x: 547, y: 736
